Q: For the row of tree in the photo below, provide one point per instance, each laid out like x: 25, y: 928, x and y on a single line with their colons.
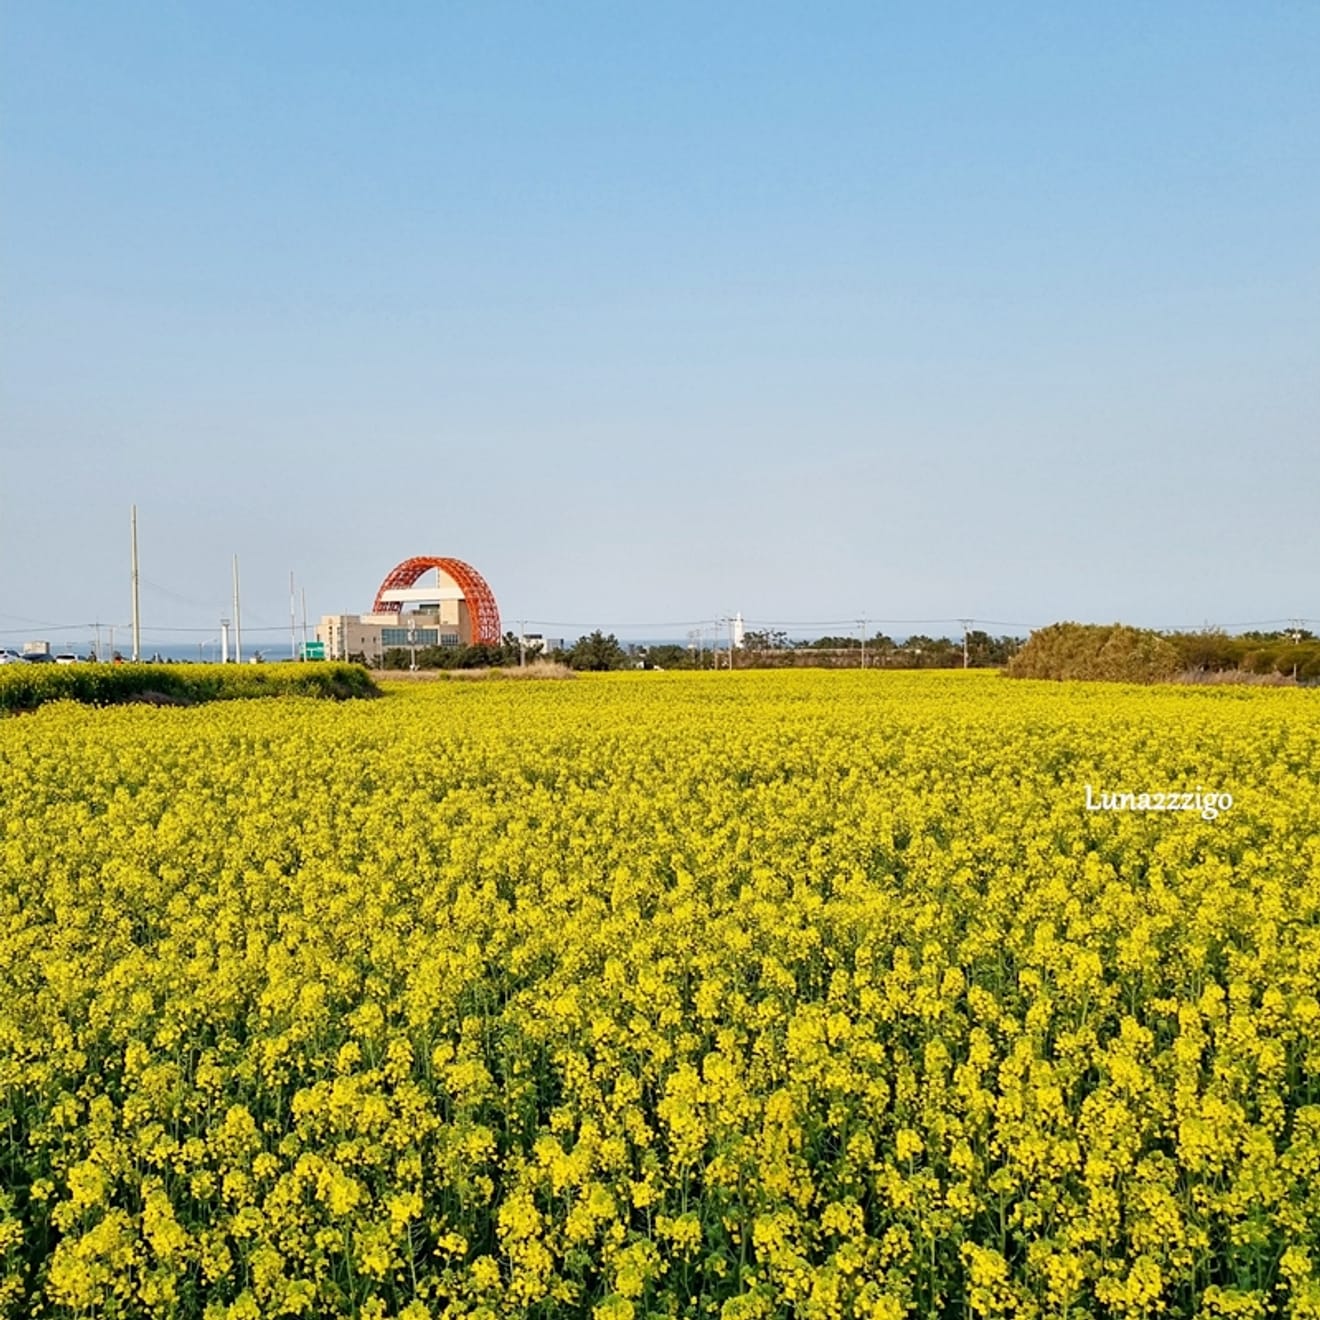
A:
x: 1142, y: 655
x: 594, y: 652
x: 1063, y: 650
x: 760, y: 650
x: 1294, y: 652
x: 918, y: 651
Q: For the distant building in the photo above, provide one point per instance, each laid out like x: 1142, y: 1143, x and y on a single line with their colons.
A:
x: 457, y: 610
x: 371, y: 635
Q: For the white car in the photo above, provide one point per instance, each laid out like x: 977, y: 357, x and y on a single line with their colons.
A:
x: 10, y: 658
x: 66, y: 658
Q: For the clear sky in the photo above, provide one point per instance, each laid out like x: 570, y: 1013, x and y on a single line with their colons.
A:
x: 654, y: 312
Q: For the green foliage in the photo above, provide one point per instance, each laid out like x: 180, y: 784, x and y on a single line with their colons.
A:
x: 25, y: 687
x: 921, y: 652
x: 984, y: 651
x: 668, y: 655
x: 774, y: 651
x: 769, y: 639
x: 1211, y: 650
x: 1115, y: 652
x: 479, y: 655
x: 834, y: 644
x: 1300, y: 658
x: 597, y: 652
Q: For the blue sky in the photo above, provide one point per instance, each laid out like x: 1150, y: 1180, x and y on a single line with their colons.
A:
x: 657, y: 312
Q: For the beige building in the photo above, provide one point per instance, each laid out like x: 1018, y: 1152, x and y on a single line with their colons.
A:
x: 444, y: 623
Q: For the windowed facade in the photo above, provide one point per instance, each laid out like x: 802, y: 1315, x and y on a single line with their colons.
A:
x: 392, y: 637
x: 371, y: 635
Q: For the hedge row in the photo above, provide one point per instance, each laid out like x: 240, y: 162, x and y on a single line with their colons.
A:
x: 1215, y: 652
x: 27, y: 686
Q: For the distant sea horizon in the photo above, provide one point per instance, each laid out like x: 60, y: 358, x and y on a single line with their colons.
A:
x: 208, y: 651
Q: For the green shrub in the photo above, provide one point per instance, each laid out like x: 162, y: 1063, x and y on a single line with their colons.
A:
x: 25, y: 687
x: 1211, y: 650
x: 1285, y: 657
x: 1260, y: 660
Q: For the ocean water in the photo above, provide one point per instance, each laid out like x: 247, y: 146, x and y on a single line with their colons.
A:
x: 164, y: 652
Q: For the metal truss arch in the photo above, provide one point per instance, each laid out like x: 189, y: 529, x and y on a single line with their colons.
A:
x: 483, y: 612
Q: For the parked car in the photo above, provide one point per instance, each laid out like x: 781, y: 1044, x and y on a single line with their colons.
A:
x: 39, y: 658
x: 10, y: 658
x: 66, y: 658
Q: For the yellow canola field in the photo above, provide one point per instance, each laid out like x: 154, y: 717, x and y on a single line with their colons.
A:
x: 751, y: 995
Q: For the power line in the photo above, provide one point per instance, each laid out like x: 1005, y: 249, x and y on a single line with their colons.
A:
x: 42, y: 623
x: 49, y: 627
x: 176, y: 596
x: 679, y: 623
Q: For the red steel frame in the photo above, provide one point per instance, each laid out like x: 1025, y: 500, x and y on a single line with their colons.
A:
x: 483, y: 613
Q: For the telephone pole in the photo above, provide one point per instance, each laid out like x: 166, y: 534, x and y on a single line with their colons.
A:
x: 137, y: 618
x: 238, y: 626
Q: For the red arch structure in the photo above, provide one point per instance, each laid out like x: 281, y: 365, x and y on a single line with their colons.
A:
x: 482, y: 610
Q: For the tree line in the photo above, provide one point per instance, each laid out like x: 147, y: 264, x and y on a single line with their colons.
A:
x: 600, y: 651
x: 1122, y: 653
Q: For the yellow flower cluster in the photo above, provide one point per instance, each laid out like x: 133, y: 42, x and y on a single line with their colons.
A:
x: 737, y: 995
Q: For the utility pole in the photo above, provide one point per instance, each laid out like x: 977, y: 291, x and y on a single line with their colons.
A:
x: 731, y: 630
x: 137, y: 618
x: 304, y: 605
x: 224, y: 641
x: 862, y: 625
x: 522, y: 652
x: 238, y: 626
x: 964, y: 623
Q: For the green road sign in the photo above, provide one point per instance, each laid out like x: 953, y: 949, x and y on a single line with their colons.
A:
x: 313, y: 651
